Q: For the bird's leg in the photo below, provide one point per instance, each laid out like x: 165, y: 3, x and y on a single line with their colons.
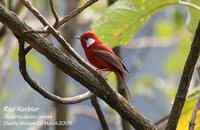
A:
x: 100, y: 70
x: 107, y: 74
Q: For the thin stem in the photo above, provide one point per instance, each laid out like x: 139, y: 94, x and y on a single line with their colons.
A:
x: 54, y: 12
x: 194, y: 114
x: 99, y: 113
x: 75, y: 12
x: 72, y: 14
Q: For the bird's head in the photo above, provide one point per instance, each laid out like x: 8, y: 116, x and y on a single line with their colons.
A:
x: 88, y: 39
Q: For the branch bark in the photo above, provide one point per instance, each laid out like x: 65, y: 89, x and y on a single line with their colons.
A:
x: 184, y: 82
x: 97, y: 85
x: 38, y: 88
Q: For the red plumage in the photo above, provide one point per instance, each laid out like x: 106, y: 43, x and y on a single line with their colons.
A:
x: 103, y: 57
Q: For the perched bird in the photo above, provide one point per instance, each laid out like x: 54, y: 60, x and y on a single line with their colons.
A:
x: 102, y: 57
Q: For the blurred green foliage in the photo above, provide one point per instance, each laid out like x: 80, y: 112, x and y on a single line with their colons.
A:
x: 176, y: 61
x: 143, y: 86
x: 163, y: 28
x: 4, y: 94
x: 33, y: 62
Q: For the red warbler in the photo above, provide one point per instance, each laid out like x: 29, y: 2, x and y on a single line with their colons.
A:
x: 102, y: 57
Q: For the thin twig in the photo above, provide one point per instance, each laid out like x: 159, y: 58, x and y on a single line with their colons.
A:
x: 161, y: 120
x: 99, y: 113
x: 63, y: 42
x: 75, y: 12
x: 54, y: 12
x: 196, y: 107
x: 194, y: 114
x: 41, y: 90
x: 27, y: 49
x: 198, y: 70
x: 185, y: 82
x: 88, y: 111
x: 72, y: 14
x: 35, y: 12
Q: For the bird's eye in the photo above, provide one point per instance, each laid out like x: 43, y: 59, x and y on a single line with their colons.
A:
x: 86, y: 38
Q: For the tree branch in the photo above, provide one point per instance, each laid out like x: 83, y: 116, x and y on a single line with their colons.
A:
x: 41, y: 90
x: 99, y: 113
x: 185, y: 82
x: 96, y: 84
x: 61, y: 40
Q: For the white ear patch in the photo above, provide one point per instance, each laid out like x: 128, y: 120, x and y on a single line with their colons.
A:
x: 89, y: 42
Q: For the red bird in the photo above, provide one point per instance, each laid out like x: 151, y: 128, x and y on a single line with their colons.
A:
x: 102, y: 57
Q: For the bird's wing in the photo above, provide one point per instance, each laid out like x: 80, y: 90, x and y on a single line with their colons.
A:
x: 124, y: 66
x: 110, y: 58
x: 105, y: 53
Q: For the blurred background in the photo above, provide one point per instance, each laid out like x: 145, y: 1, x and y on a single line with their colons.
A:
x: 155, y: 55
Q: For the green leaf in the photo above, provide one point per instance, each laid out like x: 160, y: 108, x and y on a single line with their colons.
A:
x: 194, y: 17
x: 187, y: 111
x: 125, y: 18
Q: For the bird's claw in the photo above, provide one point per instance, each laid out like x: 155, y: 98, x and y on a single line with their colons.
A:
x: 105, y: 78
x: 100, y: 72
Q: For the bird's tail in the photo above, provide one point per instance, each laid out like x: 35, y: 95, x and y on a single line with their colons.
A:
x: 127, y: 89
x: 123, y: 77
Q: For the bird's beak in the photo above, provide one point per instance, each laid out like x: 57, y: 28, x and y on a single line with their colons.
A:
x: 78, y: 37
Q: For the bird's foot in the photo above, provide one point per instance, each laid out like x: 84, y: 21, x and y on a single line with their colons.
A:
x: 100, y: 71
